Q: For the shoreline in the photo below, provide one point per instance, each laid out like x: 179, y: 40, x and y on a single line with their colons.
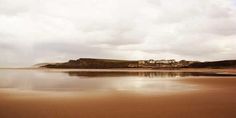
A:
x: 227, y: 70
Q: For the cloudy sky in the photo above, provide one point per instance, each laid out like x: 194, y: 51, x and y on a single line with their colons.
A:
x: 35, y: 31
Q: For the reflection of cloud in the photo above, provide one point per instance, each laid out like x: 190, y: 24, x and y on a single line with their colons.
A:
x: 59, y: 30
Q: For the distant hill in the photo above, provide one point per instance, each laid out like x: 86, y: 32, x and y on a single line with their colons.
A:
x: 90, y: 63
x: 214, y: 64
x: 94, y: 64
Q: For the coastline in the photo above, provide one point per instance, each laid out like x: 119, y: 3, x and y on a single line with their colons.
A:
x: 228, y: 70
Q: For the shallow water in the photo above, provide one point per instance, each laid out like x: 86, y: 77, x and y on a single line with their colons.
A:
x: 37, y: 80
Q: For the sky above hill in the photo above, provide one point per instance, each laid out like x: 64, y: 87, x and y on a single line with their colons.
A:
x: 35, y: 31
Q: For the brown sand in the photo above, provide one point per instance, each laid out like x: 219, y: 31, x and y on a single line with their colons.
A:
x: 217, y: 99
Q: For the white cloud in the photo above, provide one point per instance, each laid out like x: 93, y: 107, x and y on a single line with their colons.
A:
x: 33, y: 31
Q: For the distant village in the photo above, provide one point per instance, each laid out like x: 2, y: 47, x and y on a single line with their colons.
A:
x: 171, y: 63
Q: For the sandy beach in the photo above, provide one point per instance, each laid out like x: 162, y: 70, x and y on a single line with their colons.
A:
x: 215, y: 99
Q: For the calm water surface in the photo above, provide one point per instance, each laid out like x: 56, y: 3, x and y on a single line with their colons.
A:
x: 96, y: 81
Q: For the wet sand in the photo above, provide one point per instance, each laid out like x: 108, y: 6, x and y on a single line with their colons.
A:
x: 215, y: 99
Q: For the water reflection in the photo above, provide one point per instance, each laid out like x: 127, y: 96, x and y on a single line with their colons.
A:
x: 40, y: 80
x: 146, y: 74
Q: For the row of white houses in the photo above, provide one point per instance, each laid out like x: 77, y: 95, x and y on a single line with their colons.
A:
x: 152, y: 61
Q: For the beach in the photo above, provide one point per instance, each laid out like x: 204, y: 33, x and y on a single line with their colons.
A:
x: 215, y: 98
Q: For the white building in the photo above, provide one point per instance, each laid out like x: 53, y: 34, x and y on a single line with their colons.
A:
x: 151, y: 61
